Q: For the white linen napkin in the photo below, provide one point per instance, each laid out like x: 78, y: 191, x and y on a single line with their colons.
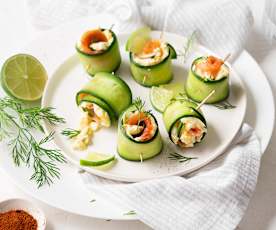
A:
x: 221, y: 25
x: 216, y: 196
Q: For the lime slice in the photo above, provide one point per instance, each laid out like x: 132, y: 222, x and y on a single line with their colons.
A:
x: 96, y: 159
x: 162, y: 95
x: 23, y: 77
x: 138, y: 39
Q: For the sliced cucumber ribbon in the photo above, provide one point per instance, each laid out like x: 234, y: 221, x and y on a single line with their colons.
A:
x: 108, y: 91
x: 131, y: 149
x: 176, y: 111
x: 198, y: 88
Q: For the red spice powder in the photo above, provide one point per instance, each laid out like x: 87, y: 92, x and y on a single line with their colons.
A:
x: 17, y: 220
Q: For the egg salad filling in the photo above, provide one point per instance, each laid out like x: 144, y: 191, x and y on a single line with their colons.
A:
x: 94, y: 117
x: 154, y: 52
x: 139, y: 126
x: 95, y: 41
x: 187, y: 131
x: 210, y: 68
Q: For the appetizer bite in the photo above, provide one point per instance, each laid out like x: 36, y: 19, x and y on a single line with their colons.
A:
x: 98, y: 51
x: 185, y: 124
x: 138, y: 135
x: 207, y: 74
x: 101, y: 101
x: 150, y: 59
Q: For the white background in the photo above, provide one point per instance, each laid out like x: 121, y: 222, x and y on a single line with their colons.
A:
x: 16, y: 32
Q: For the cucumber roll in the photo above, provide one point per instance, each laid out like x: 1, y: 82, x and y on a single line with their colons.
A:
x: 150, y: 59
x: 138, y: 135
x: 109, y: 89
x: 185, y: 124
x: 101, y: 101
x: 98, y: 51
x: 208, y: 74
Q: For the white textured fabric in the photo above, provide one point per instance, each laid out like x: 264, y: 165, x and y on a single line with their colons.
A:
x: 221, y: 25
x: 212, y: 198
x: 216, y: 196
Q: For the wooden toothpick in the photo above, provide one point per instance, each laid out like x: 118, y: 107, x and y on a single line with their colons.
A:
x: 141, y: 157
x: 227, y: 57
x: 205, y: 99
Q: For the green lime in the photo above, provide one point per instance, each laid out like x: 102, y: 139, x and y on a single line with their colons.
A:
x: 23, y: 77
x: 96, y: 159
x: 162, y: 95
x: 137, y: 40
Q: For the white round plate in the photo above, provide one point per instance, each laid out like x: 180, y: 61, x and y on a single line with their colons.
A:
x: 69, y: 193
x: 223, y: 125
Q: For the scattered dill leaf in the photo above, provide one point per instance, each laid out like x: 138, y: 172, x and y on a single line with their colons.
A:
x: 70, y: 133
x: 180, y: 158
x: 224, y: 105
x: 188, y: 45
x: 132, y: 212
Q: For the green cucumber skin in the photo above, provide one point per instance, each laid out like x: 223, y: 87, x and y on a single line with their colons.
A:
x: 130, y: 150
x: 100, y: 103
x: 110, y: 89
x: 179, y: 109
x: 158, y: 74
x: 198, y: 89
x: 108, y: 61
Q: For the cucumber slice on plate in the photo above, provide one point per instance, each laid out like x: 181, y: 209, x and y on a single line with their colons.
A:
x: 137, y: 40
x: 23, y: 77
x: 162, y: 95
x: 97, y: 159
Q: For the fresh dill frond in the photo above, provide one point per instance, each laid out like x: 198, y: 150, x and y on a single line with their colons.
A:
x: 180, y: 158
x: 188, y: 46
x: 132, y: 212
x: 70, y: 133
x: 224, y: 105
x: 16, y: 123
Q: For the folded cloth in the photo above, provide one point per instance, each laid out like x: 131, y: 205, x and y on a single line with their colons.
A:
x: 212, y: 198
x: 221, y: 25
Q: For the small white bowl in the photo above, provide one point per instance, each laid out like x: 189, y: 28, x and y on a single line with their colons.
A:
x: 27, y: 206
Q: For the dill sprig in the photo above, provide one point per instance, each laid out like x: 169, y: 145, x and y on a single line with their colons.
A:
x: 132, y: 212
x: 70, y: 133
x: 139, y: 106
x: 16, y: 123
x: 180, y: 158
x: 188, y: 45
x: 224, y: 105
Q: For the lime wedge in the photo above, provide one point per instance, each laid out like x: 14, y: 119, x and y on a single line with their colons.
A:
x: 96, y: 159
x: 138, y: 39
x: 162, y: 95
x: 23, y: 77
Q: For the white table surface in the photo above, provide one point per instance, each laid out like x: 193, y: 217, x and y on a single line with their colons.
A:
x: 16, y: 31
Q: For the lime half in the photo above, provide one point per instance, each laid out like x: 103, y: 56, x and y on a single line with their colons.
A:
x: 138, y: 39
x: 96, y: 159
x: 162, y: 95
x: 23, y: 77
